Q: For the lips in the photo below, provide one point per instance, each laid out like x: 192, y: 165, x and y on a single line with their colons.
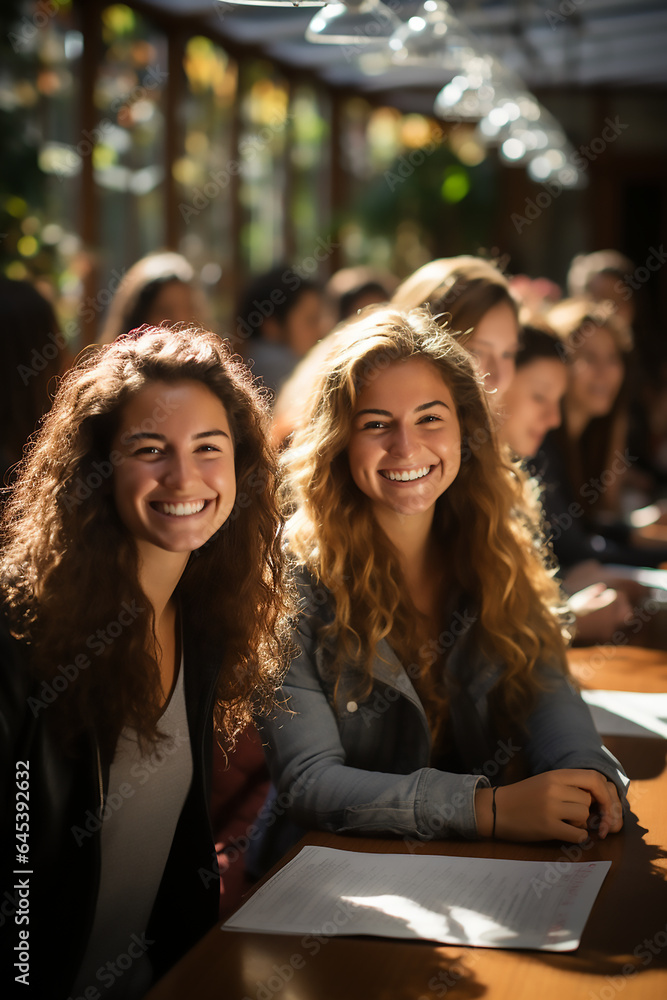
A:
x: 180, y: 509
x: 405, y: 475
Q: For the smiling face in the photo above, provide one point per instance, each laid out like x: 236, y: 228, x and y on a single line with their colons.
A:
x: 405, y: 445
x: 596, y: 373
x: 494, y: 344
x: 176, y: 484
x: 531, y: 405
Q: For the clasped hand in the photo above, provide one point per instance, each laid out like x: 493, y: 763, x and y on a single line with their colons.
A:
x: 560, y: 805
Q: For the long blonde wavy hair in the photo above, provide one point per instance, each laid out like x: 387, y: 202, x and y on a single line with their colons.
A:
x: 487, y: 522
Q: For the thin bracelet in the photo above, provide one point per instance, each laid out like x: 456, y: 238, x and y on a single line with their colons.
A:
x: 493, y: 810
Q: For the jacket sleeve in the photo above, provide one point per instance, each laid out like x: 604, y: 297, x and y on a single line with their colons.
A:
x: 319, y: 789
x: 561, y: 734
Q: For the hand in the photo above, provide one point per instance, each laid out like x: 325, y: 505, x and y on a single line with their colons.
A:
x: 599, y: 611
x: 556, y: 805
x: 597, y: 821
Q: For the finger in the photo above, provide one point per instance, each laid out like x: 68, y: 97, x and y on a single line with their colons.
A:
x: 596, y: 784
x: 575, y: 813
x: 616, y: 808
x: 566, y: 832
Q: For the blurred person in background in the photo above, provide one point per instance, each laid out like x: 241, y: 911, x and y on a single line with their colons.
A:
x: 159, y: 288
x: 536, y: 295
x: 584, y: 462
x: 608, y: 275
x: 353, y: 288
x: 473, y: 297
x: 532, y: 408
x: 601, y: 276
x: 34, y: 353
x: 280, y: 318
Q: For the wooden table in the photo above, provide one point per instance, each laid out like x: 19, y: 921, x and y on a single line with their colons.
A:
x: 623, y: 951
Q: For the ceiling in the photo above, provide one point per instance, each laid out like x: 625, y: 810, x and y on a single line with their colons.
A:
x: 549, y: 43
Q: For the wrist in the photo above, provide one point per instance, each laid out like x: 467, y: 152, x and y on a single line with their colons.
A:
x: 484, y: 811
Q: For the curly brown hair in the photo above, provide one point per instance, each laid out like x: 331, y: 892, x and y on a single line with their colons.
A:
x: 68, y: 565
x: 487, y: 521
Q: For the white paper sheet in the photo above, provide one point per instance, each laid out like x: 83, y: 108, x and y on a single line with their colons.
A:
x: 628, y: 713
x: 465, y: 901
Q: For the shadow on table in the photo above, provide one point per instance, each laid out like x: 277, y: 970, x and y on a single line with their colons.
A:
x: 628, y: 925
x: 642, y: 759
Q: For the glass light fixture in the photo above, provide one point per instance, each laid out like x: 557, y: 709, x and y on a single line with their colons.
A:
x: 471, y: 94
x: 432, y: 35
x: 355, y: 22
x: 280, y: 3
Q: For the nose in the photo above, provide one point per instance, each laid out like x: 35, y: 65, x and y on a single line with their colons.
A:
x: 402, y: 443
x: 179, y: 472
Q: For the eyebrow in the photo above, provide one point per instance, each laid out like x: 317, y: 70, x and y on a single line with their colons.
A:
x: 418, y: 409
x: 150, y: 435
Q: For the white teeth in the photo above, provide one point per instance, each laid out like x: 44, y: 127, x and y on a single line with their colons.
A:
x: 405, y: 477
x: 182, y: 509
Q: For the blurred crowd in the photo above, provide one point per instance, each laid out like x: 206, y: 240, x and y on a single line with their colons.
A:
x: 576, y: 380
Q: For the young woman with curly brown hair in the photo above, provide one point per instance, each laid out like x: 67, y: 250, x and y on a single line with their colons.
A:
x: 432, y: 656
x: 141, y: 575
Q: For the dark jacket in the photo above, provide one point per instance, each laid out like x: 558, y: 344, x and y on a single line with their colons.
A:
x: 60, y: 882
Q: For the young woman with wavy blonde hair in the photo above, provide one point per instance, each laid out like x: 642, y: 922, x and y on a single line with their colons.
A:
x: 143, y: 607
x: 431, y: 651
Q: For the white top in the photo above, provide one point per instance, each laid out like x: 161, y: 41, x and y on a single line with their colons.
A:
x: 143, y: 804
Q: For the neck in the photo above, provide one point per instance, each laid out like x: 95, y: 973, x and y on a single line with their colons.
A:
x: 159, y: 573
x: 576, y: 421
x: 411, y: 537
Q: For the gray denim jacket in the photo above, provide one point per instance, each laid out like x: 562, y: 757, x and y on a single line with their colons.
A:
x: 344, y: 765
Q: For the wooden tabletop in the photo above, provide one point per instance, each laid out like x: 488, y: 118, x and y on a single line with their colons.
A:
x: 623, y: 951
